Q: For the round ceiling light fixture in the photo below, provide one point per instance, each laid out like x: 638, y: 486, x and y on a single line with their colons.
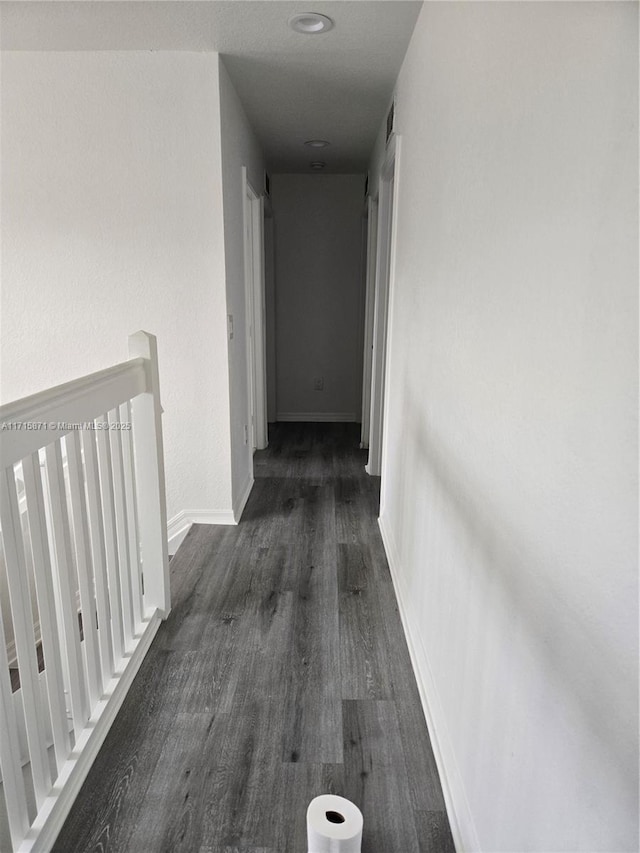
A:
x: 317, y: 143
x: 310, y: 23
x: 317, y: 165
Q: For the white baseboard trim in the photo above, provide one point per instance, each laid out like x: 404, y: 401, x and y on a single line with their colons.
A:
x: 463, y: 827
x: 178, y: 526
x: 243, y: 496
x: 317, y: 417
x: 177, y: 529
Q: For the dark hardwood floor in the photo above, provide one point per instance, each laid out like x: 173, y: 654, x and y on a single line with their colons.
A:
x: 282, y: 673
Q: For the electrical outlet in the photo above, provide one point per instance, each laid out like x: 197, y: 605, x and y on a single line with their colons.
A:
x: 246, y: 434
x: 318, y: 383
x: 230, y: 326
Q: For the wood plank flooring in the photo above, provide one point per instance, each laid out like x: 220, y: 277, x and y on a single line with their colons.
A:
x: 282, y: 673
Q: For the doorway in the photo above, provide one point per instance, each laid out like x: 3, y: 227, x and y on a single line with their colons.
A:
x: 383, y: 252
x: 253, y: 210
x: 367, y: 361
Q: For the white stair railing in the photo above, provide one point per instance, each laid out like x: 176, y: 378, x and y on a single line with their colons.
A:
x: 86, y: 579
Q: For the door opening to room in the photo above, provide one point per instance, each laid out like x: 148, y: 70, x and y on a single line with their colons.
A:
x: 383, y: 278
x: 255, y: 315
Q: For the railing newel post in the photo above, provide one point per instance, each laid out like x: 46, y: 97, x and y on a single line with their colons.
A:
x: 146, y: 412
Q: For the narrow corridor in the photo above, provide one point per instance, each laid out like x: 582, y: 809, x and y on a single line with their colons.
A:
x: 282, y: 673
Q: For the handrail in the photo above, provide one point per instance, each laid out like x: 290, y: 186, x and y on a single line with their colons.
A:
x: 78, y: 401
x: 84, y: 530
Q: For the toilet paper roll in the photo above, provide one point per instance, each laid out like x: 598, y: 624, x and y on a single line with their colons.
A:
x: 334, y: 825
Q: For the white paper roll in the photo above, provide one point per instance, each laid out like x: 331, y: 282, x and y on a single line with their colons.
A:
x: 334, y: 825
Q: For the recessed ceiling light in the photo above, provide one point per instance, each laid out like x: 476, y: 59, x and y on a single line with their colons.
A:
x: 317, y: 143
x: 310, y: 23
x: 317, y: 164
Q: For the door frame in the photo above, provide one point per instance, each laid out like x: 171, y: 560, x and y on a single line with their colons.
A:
x: 253, y: 237
x: 384, y: 278
x: 367, y: 357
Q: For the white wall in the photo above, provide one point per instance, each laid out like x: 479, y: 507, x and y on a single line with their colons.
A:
x: 239, y: 148
x: 509, y: 490
x: 318, y: 244
x: 112, y: 222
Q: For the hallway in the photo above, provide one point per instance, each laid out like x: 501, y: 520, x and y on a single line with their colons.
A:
x: 281, y: 673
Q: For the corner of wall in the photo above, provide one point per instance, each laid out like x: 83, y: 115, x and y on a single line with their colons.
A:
x: 242, y: 497
x: 180, y: 524
x: 239, y: 148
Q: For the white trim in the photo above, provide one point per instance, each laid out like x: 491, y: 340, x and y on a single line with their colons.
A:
x: 76, y: 402
x: 397, y: 149
x: 367, y: 354
x: 243, y: 496
x: 463, y: 827
x: 318, y: 417
x: 209, y: 516
x: 179, y: 525
x: 177, y: 529
x: 53, y: 813
x: 384, y: 277
x: 255, y: 326
x: 260, y: 322
x: 148, y: 458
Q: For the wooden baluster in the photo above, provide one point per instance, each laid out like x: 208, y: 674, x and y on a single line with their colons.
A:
x: 132, y: 516
x: 84, y: 568
x: 46, y: 606
x: 20, y: 597
x: 12, y: 780
x: 68, y: 615
x: 110, y: 537
x: 124, y: 559
x: 98, y: 550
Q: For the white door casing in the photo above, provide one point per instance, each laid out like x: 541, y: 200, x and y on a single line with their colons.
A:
x: 253, y: 208
x: 372, y: 235
x: 385, y: 263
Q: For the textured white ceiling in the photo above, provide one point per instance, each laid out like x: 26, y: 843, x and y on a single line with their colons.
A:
x: 294, y: 87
